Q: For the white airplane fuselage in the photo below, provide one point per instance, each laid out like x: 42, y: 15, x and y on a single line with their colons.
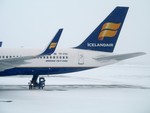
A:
x: 61, y: 61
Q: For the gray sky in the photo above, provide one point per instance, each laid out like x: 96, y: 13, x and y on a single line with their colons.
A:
x: 33, y: 23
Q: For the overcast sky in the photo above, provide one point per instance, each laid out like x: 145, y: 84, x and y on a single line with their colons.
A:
x: 33, y: 23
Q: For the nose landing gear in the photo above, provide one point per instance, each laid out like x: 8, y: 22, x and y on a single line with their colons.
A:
x: 33, y: 84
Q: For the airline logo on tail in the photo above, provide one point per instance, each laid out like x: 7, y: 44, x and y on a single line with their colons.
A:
x: 105, y: 36
x: 109, y: 30
x: 52, y: 45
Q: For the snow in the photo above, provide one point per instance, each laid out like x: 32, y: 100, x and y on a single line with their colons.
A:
x: 119, y: 88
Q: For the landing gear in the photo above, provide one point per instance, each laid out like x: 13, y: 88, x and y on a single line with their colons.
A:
x: 33, y: 84
x: 41, y: 82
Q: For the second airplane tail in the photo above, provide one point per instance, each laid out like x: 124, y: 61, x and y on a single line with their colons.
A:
x: 105, y: 36
x: 53, y: 44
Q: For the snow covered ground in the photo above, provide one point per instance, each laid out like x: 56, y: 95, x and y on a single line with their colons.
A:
x: 119, y: 88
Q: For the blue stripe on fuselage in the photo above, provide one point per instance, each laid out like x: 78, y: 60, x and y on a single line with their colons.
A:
x: 42, y: 71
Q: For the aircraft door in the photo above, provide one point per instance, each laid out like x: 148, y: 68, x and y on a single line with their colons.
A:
x: 80, y: 58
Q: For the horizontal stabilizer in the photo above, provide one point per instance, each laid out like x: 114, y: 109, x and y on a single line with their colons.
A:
x: 120, y: 57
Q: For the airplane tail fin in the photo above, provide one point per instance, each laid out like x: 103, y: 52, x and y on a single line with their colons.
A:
x: 53, y: 44
x: 105, y: 36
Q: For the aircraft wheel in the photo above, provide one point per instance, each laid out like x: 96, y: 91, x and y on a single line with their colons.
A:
x: 30, y: 86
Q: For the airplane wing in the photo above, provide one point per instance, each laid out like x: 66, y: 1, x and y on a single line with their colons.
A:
x: 13, y: 62
x: 119, y: 57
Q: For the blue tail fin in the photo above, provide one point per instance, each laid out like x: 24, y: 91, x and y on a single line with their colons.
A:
x: 53, y: 44
x: 105, y: 36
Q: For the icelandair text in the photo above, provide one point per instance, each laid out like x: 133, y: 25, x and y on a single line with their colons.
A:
x: 100, y: 44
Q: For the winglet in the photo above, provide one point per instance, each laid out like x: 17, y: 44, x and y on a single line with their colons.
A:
x: 53, y: 44
x: 0, y: 44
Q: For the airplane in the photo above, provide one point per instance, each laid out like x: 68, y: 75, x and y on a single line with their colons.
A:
x: 95, y: 51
